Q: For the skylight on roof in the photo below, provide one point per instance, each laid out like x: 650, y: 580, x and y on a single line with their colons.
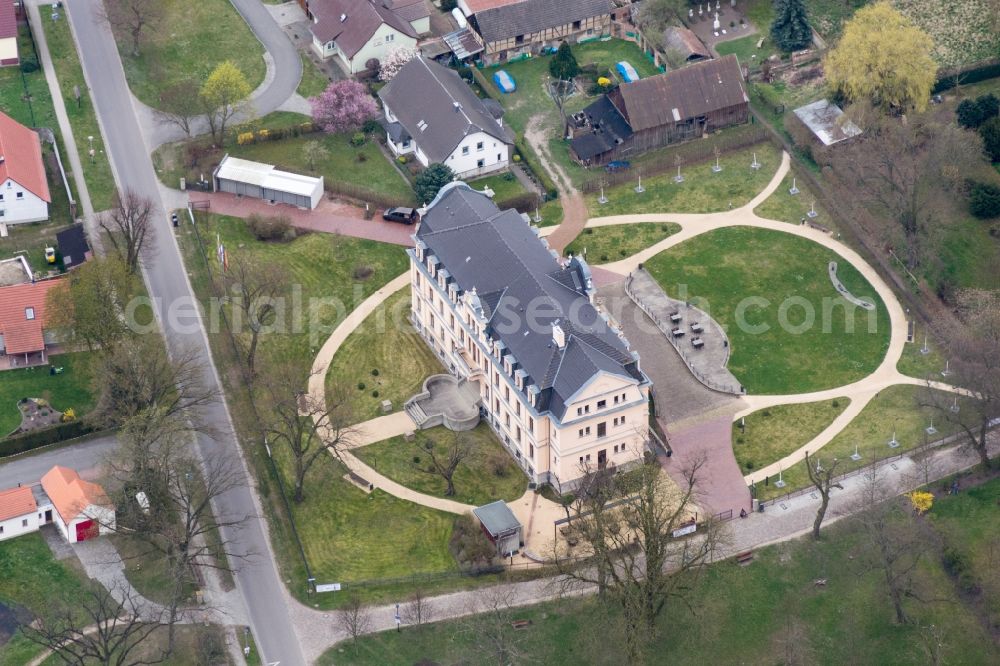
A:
x: 421, y: 125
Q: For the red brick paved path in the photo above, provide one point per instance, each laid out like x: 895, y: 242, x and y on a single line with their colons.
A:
x: 719, y: 482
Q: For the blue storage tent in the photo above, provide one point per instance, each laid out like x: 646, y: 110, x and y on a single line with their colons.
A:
x: 627, y: 71
x: 504, y: 82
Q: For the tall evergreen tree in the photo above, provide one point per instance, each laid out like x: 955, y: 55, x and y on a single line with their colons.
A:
x: 790, y: 30
x: 563, y: 65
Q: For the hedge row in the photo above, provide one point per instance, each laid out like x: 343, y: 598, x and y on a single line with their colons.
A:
x: 522, y: 203
x: 39, y: 438
x: 978, y: 72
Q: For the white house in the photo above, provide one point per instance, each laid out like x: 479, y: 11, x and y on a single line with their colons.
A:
x: 431, y: 113
x: 357, y: 31
x: 24, y: 190
x: 82, y: 509
x: 19, y: 512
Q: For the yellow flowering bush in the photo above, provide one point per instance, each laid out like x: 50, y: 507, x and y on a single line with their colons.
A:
x: 921, y: 501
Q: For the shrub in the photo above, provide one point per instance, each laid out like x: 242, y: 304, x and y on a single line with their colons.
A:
x: 358, y: 139
x: 990, y: 132
x: 984, y: 200
x: 563, y: 65
x: 363, y: 272
x: 604, y: 257
x: 361, y: 386
x: 588, y: 231
x: 517, y: 158
x: 835, y: 404
x: 766, y: 412
x: 43, y: 437
x: 448, y: 5
x: 268, y: 228
x: 402, y: 159
x: 29, y: 65
x: 972, y: 113
x: 469, y: 545
x: 499, y: 464
x: 374, y: 394
x: 361, y: 157
x: 430, y: 181
x: 370, y: 126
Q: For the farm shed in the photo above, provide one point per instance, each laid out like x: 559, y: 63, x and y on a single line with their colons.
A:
x: 827, y: 122
x: 263, y: 181
x: 501, y: 526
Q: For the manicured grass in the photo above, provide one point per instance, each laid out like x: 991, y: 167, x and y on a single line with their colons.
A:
x: 791, y: 208
x: 968, y: 255
x: 321, y: 268
x: 504, y: 186
x: 386, y: 356
x: 32, y: 578
x: 476, y: 480
x: 351, y: 536
x: 14, y: 98
x: 771, y: 434
x: 701, y: 192
x: 746, y: 49
x: 922, y: 366
x: 739, y: 615
x: 552, y: 213
x: 365, y: 167
x: 725, y: 267
x: 313, y: 80
x: 189, y: 40
x: 611, y: 243
x: 69, y: 389
x: 897, y: 407
x: 82, y: 117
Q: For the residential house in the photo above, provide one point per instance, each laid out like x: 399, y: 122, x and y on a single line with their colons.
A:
x: 431, y: 113
x: 653, y: 112
x: 415, y: 12
x: 18, y: 512
x: 82, y: 508
x: 24, y: 340
x: 357, y: 31
x: 557, y: 380
x: 73, y: 246
x: 24, y: 190
x: 8, y: 35
x: 510, y: 29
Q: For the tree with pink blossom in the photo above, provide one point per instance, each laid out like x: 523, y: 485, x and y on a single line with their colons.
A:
x: 394, y: 62
x: 343, y: 107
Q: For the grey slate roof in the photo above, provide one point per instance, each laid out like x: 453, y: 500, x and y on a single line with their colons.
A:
x: 524, y: 290
x: 425, y: 91
x: 497, y: 518
x: 363, y: 18
x: 529, y: 16
x: 72, y: 244
x: 608, y: 129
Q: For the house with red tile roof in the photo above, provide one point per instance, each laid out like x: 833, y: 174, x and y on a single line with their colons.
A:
x: 82, y: 508
x: 18, y: 512
x: 24, y: 316
x: 8, y: 35
x: 24, y: 190
x: 357, y: 31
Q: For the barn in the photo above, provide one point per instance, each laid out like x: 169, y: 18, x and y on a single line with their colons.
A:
x: 501, y: 526
x: 264, y: 181
x: 82, y: 509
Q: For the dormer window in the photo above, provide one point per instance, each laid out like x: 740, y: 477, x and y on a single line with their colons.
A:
x: 29, y: 313
x: 422, y: 125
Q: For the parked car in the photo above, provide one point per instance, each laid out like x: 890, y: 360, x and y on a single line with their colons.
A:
x: 399, y: 214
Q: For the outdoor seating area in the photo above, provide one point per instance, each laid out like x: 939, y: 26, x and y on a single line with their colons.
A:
x: 445, y: 401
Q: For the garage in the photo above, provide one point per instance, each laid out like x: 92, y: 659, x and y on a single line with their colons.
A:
x: 263, y: 181
x: 87, y: 529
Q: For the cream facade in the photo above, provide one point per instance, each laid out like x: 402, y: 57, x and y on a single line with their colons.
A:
x: 385, y: 40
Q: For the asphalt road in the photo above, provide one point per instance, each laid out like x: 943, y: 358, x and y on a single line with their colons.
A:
x: 85, y: 457
x: 257, y: 578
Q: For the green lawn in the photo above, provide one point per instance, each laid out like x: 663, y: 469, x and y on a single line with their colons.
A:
x: 31, y: 577
x: 350, y: 536
x: 552, y: 213
x: 189, y: 40
x: 968, y: 255
x: 915, y: 364
x: 504, y: 185
x: 896, y: 407
x: 771, y: 434
x: 386, y: 357
x: 791, y: 208
x: 313, y: 80
x: 611, y: 243
x: 69, y: 389
x: 702, y: 190
x: 476, y: 480
x: 82, y: 118
x: 740, y: 615
x: 14, y: 100
x: 787, y: 275
x: 746, y: 49
x: 321, y: 268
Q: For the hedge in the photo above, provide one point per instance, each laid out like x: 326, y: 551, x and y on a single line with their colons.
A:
x: 38, y: 438
x: 522, y: 203
x: 979, y: 72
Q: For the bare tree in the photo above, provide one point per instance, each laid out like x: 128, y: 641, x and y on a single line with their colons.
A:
x: 96, y: 627
x: 822, y: 478
x: 932, y: 640
x: 181, y: 104
x: 90, y: 308
x: 894, y: 545
x: 416, y: 610
x: 445, y: 463
x: 972, y: 340
x: 254, y: 285
x: 355, y: 619
x: 629, y: 548
x: 491, y: 623
x: 305, y: 426
x: 314, y: 152
x: 792, y: 643
x: 129, y: 225
x: 136, y: 18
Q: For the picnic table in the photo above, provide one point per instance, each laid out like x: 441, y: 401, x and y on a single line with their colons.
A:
x: 678, y: 332
x: 697, y: 327
x: 676, y: 317
x: 697, y: 343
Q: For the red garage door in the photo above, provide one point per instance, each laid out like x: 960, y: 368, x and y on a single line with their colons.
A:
x: 86, y: 530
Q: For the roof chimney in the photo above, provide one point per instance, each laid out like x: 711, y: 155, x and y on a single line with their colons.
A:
x: 558, y: 336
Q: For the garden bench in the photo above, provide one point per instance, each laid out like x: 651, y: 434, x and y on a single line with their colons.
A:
x: 675, y: 317
x: 744, y: 558
x: 360, y: 481
x: 697, y: 343
x: 678, y: 332
x: 697, y: 328
x: 520, y: 624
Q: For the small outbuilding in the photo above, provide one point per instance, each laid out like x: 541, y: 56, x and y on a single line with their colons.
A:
x: 501, y: 526
x: 827, y: 122
x: 82, y: 509
x: 18, y: 512
x: 264, y: 181
x: 73, y: 246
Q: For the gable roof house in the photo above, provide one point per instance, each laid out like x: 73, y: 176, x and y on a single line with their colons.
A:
x: 431, y: 112
x: 557, y: 381
x: 18, y: 512
x: 8, y: 35
x: 510, y: 29
x: 83, y: 509
x: 24, y: 190
x: 659, y: 110
x: 24, y: 316
x: 356, y: 31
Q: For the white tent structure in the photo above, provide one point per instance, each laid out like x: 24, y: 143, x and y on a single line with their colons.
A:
x: 263, y: 181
